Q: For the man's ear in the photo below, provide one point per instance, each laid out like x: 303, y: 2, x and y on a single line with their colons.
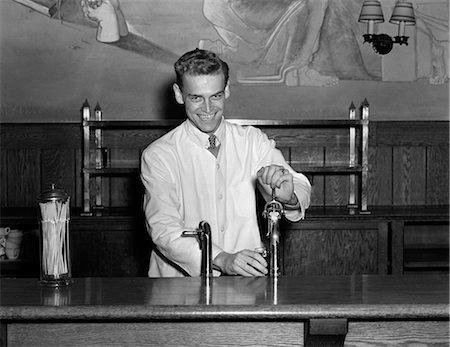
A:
x: 227, y: 90
x: 178, y: 94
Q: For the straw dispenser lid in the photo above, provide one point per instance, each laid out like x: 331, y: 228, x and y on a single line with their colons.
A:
x: 53, y: 194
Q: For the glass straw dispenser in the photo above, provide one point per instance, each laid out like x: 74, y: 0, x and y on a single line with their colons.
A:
x: 54, y: 216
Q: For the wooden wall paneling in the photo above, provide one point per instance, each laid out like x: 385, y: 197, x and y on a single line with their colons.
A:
x: 383, y: 248
x: 412, y: 133
x: 117, y: 249
x: 311, y: 155
x: 397, y: 236
x: 88, y: 249
x: 317, y: 190
x: 302, y: 136
x: 418, y: 175
x: 24, y: 174
x: 58, y: 167
x: 107, y: 190
x: 132, y: 253
x: 308, y: 155
x: 426, y: 245
x: 331, y: 248
x: 336, y: 186
x: 428, y: 235
x: 132, y: 138
x: 380, y: 176
x: 78, y: 178
x: 37, y: 135
x: 409, y: 175
x: 397, y: 333
x: 124, y: 190
x: 284, y: 137
x: 437, y: 192
x: 124, y: 157
x: 173, y: 333
x: 406, y: 189
x: 3, y: 178
x: 286, y: 151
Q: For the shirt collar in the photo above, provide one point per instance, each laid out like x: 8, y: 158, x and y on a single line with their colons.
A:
x: 200, y: 137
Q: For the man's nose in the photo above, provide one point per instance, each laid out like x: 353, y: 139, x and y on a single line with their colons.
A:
x: 207, y: 105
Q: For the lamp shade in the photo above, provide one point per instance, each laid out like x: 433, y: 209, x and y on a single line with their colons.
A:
x: 371, y: 11
x: 403, y: 12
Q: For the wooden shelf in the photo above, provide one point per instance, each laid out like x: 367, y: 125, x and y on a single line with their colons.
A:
x: 298, y: 167
x: 111, y: 171
x: 312, y: 123
x: 93, y: 126
x: 426, y: 258
x: 332, y: 169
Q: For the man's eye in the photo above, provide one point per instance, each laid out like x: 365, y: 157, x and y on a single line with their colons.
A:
x: 217, y: 97
x: 195, y: 98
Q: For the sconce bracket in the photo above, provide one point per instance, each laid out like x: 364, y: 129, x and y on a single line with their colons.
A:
x: 383, y: 43
x: 401, y: 40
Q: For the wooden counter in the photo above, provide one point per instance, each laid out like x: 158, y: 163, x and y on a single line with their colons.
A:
x: 234, y: 311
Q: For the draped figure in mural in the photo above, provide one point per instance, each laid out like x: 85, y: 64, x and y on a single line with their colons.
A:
x: 277, y: 39
x: 432, y: 27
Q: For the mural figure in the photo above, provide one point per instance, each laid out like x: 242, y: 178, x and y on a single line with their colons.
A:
x: 434, y: 26
x: 277, y: 39
x: 109, y: 17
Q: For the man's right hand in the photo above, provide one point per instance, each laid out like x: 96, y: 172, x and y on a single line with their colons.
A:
x: 244, y: 263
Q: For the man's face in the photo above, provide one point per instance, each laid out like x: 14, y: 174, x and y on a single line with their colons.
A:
x: 204, y: 99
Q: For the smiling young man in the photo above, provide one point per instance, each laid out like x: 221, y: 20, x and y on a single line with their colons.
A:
x: 207, y: 169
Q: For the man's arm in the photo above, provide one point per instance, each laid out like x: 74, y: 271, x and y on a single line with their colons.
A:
x: 164, y: 222
x: 291, y: 188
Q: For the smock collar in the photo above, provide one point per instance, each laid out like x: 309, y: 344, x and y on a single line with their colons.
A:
x: 201, y: 138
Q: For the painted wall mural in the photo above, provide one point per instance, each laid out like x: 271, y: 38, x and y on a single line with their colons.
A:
x: 288, y: 59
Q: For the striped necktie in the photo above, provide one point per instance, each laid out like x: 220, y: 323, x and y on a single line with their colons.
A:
x: 212, y: 145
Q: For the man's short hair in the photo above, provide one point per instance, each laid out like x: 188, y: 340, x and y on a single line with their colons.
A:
x: 199, y: 62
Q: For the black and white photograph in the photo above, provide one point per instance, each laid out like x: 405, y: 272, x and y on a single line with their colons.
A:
x: 224, y: 173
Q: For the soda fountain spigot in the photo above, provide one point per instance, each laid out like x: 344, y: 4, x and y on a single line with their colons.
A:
x: 273, y: 211
x: 203, y: 233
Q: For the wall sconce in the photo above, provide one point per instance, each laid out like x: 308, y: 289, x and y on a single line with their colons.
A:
x: 402, y: 15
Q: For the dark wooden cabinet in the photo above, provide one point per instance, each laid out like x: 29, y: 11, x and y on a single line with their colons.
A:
x: 327, y: 242
x: 396, y: 241
x: 336, y: 247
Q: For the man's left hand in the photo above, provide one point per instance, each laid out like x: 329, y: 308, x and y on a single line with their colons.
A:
x: 281, y: 179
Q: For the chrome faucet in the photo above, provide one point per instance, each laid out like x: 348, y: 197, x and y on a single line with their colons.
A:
x: 273, y: 211
x: 203, y: 233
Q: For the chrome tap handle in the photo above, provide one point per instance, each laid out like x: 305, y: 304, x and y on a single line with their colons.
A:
x: 206, y: 248
x: 203, y: 233
x: 273, y: 211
